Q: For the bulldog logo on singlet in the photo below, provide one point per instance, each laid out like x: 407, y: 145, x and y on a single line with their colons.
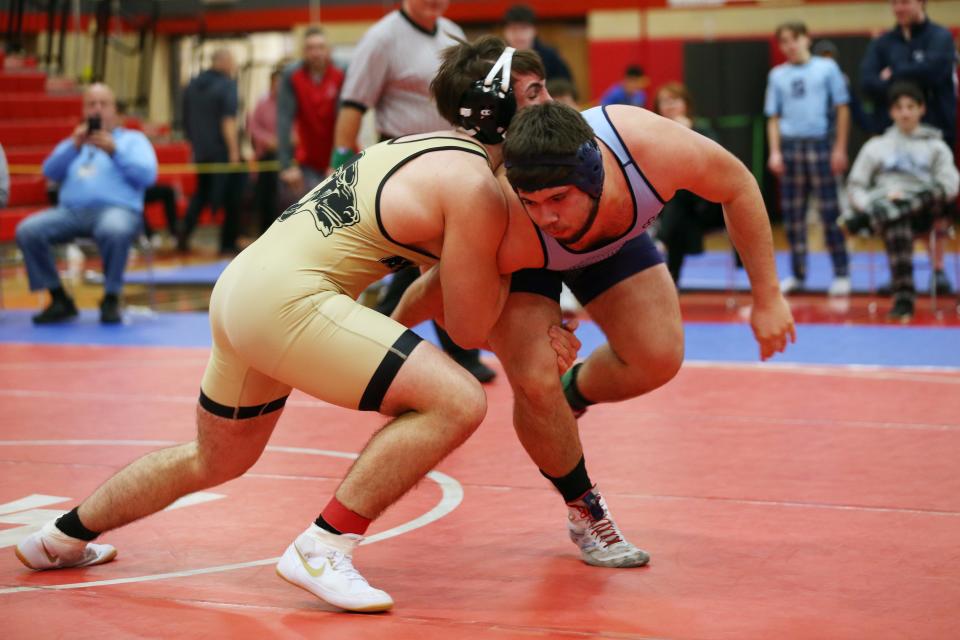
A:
x: 333, y: 202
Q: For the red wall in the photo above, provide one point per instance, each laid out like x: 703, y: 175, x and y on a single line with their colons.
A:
x: 662, y: 60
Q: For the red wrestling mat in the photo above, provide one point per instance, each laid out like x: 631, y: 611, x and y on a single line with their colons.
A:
x: 787, y: 502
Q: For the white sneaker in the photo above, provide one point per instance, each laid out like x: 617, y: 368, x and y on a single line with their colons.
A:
x: 840, y: 287
x: 50, y: 548
x: 593, y: 530
x: 791, y: 284
x: 322, y: 563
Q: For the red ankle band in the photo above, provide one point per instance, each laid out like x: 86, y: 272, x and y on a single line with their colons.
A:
x: 344, y: 520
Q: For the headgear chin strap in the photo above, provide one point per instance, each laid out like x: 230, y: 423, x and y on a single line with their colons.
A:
x: 586, y: 170
x: 486, y: 108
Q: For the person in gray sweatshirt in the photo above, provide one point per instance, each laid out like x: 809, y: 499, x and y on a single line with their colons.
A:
x: 901, y: 183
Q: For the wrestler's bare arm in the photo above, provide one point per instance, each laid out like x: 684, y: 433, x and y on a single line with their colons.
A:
x: 674, y: 157
x: 475, y: 218
x: 696, y: 163
x: 521, y: 247
x: 422, y: 300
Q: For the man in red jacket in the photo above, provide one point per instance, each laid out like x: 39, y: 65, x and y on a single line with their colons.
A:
x: 308, y: 97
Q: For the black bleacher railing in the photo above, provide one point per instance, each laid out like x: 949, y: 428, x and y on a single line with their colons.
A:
x: 53, y: 18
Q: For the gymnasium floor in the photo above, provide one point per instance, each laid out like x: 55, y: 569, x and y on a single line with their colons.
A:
x: 817, y: 496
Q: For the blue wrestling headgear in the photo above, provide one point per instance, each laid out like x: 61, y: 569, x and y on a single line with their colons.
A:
x: 586, y: 170
x: 486, y: 108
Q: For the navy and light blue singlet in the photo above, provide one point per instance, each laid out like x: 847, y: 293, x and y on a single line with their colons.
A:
x: 591, y: 272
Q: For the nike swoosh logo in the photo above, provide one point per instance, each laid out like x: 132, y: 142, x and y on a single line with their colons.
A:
x: 315, y: 573
x: 52, y: 558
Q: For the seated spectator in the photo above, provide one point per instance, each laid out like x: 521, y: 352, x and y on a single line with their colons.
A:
x: 631, y: 90
x: 562, y: 90
x: 165, y: 194
x: 103, y: 170
x: 901, y: 183
x: 4, y: 179
x: 686, y: 217
x: 520, y: 32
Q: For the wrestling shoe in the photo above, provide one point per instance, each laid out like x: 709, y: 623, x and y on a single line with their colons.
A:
x: 51, y: 548
x: 322, y: 563
x: 593, y: 530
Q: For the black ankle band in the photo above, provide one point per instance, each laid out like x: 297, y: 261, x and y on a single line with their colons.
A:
x: 326, y: 526
x: 69, y: 523
x: 570, y: 390
x: 574, y: 484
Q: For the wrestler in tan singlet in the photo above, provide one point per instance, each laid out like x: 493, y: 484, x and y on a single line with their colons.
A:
x: 284, y: 313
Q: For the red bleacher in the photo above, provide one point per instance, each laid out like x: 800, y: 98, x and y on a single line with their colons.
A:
x: 19, y: 132
x: 39, y: 105
x: 25, y: 82
x: 27, y: 190
x: 32, y: 122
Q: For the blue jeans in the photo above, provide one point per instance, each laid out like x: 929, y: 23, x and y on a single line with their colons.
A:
x: 113, y: 229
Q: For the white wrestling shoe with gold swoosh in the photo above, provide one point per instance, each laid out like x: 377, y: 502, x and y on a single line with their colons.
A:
x: 322, y: 563
x: 50, y: 548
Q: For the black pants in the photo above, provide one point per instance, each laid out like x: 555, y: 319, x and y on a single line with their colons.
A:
x: 164, y: 194
x: 216, y: 190
x: 265, y: 195
x: 403, y: 279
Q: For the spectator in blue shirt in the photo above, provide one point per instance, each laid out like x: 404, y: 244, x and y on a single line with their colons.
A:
x: 631, y: 90
x: 103, y: 171
x: 800, y: 94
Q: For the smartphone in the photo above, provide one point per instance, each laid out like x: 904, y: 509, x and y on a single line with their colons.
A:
x: 93, y: 124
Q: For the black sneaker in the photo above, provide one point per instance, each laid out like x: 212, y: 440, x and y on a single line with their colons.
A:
x: 857, y: 223
x: 110, y: 310
x: 902, y: 309
x: 59, y: 310
x: 183, y: 243
x: 940, y: 283
x: 477, y: 369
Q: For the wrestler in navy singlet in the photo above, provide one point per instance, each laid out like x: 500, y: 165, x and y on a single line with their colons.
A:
x: 591, y: 272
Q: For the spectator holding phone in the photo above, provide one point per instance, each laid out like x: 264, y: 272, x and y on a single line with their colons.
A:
x: 103, y: 170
